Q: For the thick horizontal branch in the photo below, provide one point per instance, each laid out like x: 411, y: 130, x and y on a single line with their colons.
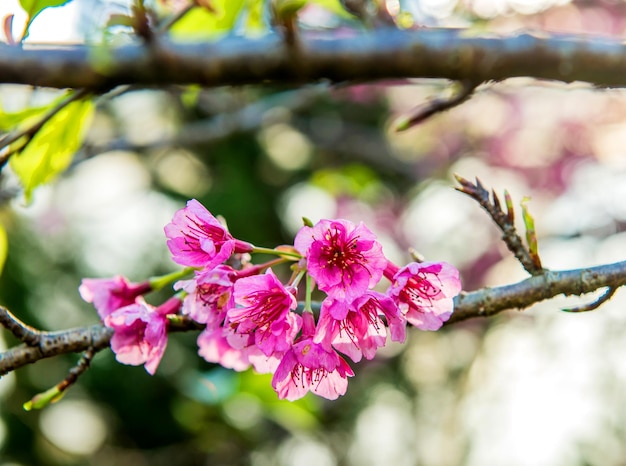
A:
x: 50, y: 344
x: 489, y: 301
x: 481, y: 303
x: 383, y: 54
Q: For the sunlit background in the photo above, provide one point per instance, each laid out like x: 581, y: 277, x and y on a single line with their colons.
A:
x: 533, y: 388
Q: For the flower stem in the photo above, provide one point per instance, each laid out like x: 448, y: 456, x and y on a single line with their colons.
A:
x: 307, y: 296
x: 276, y: 252
x: 258, y: 268
x: 159, y: 282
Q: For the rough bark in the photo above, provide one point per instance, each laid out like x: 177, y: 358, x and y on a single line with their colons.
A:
x: 382, y: 54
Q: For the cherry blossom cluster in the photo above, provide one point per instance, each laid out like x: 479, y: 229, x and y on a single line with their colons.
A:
x: 253, y: 319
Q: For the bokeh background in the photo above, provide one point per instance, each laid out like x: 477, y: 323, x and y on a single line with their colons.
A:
x: 532, y: 388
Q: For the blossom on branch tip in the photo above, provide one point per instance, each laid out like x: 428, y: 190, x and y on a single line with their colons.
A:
x: 140, y: 333
x: 424, y: 292
x: 109, y: 294
x: 264, y: 308
x: 345, y: 260
x: 197, y: 239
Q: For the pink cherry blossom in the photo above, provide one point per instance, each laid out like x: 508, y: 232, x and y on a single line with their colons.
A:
x: 140, y: 333
x: 362, y: 331
x: 197, y: 239
x: 308, y: 366
x: 215, y: 345
x: 110, y: 294
x: 209, y: 295
x: 264, y: 308
x: 344, y: 259
x: 424, y: 292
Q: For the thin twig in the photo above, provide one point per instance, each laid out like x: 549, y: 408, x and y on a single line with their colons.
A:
x: 31, y: 131
x: 608, y: 294
x: 25, y: 333
x: 247, y: 119
x: 504, y: 221
x: 434, y: 106
x: 141, y: 22
x: 81, y: 366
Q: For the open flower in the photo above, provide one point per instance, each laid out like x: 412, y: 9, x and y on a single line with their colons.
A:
x: 362, y: 331
x: 110, y: 294
x: 197, y: 239
x: 220, y: 346
x: 209, y: 295
x: 264, y: 308
x: 308, y: 366
x: 344, y: 259
x: 424, y: 292
x: 140, y: 333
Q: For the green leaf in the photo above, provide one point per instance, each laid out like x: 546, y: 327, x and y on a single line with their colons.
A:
x: 256, y: 21
x: 335, y: 6
x: 4, y: 246
x: 10, y: 121
x: 529, y: 223
x: 200, y: 23
x: 34, y: 7
x: 531, y: 234
x: 50, y: 151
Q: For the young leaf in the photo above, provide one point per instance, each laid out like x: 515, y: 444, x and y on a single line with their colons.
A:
x: 50, y: 151
x: 43, y: 399
x: 10, y: 121
x: 531, y: 234
x: 34, y: 7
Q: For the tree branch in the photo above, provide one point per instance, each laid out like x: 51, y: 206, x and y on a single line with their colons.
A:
x: 247, y: 119
x: 383, y: 54
x: 489, y: 301
x: 505, y: 221
x: 434, y: 106
x: 481, y: 303
x: 51, y: 344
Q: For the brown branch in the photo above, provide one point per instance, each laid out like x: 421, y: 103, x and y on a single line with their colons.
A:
x: 25, y: 333
x: 489, y: 301
x: 434, y: 106
x: 221, y: 127
x: 505, y: 222
x: 375, y: 55
x: 74, y: 340
x: 481, y: 303
x: 606, y: 296
x: 79, y: 369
